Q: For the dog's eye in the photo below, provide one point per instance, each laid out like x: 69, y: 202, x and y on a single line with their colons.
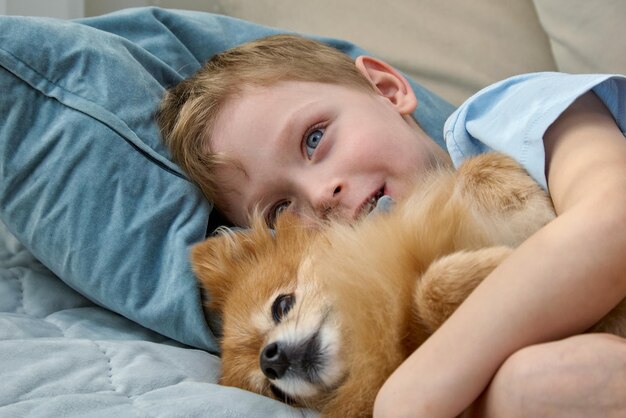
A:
x: 281, y: 306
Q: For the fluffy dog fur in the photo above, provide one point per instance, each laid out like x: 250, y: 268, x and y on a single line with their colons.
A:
x: 322, y: 317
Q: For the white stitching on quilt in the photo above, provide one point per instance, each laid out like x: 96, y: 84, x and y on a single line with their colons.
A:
x: 20, y: 279
x: 113, y: 386
x: 110, y: 368
x: 20, y: 308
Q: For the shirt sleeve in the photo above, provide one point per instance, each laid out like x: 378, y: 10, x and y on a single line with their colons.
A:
x: 512, y: 116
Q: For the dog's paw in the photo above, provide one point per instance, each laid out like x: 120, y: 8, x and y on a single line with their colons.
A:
x: 449, y: 280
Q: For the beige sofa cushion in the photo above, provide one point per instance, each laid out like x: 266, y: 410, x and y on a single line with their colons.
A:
x: 453, y: 47
x: 586, y: 36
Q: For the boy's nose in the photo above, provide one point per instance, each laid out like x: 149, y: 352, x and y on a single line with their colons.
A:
x: 328, y: 200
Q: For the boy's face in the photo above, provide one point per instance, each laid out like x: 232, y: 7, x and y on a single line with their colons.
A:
x: 318, y: 149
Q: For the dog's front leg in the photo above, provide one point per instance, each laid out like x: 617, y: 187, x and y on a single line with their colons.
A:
x: 449, y: 280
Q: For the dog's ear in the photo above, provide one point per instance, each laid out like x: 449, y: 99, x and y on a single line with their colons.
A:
x: 220, y: 261
x: 214, y: 262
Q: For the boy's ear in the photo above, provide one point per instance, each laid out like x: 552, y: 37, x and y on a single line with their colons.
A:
x: 388, y: 82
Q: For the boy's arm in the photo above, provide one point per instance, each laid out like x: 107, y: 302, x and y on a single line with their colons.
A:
x: 559, y: 282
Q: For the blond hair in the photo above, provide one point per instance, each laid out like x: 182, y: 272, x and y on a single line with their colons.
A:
x: 189, y: 109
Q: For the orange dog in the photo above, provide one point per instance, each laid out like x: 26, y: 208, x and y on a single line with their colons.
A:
x: 321, y: 318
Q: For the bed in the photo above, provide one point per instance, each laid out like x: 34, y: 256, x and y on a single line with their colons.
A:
x: 100, y: 314
x: 61, y: 355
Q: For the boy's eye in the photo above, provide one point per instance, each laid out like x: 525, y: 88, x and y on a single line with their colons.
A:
x: 275, y: 211
x: 281, y: 306
x: 312, y: 140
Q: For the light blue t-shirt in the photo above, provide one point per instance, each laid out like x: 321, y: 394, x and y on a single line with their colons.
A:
x: 512, y: 116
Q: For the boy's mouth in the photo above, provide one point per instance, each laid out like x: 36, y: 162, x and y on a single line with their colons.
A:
x: 370, y: 203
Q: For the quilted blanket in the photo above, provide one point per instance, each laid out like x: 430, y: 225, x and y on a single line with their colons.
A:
x: 63, y: 356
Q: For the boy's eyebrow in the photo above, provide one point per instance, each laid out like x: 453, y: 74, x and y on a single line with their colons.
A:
x: 295, y: 119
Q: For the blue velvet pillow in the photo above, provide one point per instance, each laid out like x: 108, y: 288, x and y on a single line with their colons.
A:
x: 85, y: 182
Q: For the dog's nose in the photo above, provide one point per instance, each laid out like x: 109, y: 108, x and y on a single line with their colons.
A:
x: 274, y: 361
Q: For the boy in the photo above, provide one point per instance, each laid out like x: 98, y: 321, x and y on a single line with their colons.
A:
x: 285, y: 123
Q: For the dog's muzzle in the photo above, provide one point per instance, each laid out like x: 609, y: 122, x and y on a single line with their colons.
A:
x: 302, y: 360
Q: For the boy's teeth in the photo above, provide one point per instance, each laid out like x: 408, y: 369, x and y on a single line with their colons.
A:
x: 371, y: 203
x: 377, y: 196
